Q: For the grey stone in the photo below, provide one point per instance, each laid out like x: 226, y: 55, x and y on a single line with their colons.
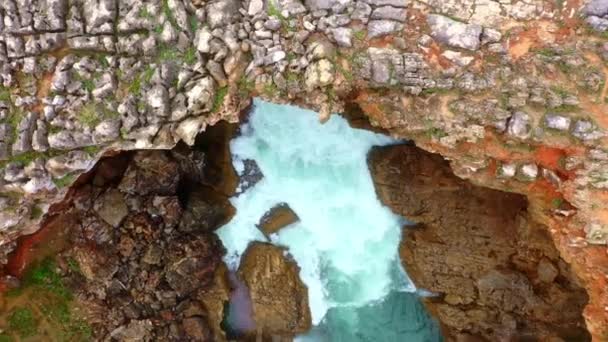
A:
x: 507, y: 170
x: 168, y: 33
x: 529, y: 171
x: 217, y: 71
x: 255, y: 7
x: 361, y: 12
x: 62, y: 140
x: 274, y: 57
x: 558, y: 122
x: 40, y: 142
x: 319, y: 74
x: 315, y: 5
x: 178, y: 10
x: 519, y: 125
x: 596, y: 233
x: 157, y: 100
x: 99, y: 16
x: 320, y: 49
x: 203, y: 39
x: 597, y: 8
x: 70, y: 162
x: 222, y: 12
x: 336, y: 20
x: 272, y: 24
x: 454, y: 33
x: 586, y: 130
x: 343, y: 36
x: 200, y: 94
x: 25, y: 130
x: 490, y: 35
x: 379, y: 28
x: 15, y: 46
x: 598, y: 24
x: 107, y: 131
x: 394, y: 3
x: 381, y: 71
x: 390, y: 13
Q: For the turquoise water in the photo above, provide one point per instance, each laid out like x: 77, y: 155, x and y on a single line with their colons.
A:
x: 346, y: 242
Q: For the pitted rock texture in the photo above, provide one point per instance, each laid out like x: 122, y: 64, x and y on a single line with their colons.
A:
x: 495, y: 272
x: 513, y: 92
x: 279, y: 298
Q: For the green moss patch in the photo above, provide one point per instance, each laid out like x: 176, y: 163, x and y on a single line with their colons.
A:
x: 42, y: 309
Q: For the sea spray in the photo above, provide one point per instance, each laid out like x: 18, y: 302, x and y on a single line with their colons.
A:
x: 346, y: 241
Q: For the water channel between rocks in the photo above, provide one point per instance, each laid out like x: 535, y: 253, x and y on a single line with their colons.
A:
x: 345, y: 242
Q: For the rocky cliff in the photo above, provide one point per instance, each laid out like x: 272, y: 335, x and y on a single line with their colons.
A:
x: 513, y: 93
x: 494, y: 272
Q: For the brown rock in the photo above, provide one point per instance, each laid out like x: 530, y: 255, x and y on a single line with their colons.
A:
x: 192, y: 262
x: 479, y: 250
x: 214, y: 299
x: 206, y: 210
x: 151, y: 173
x: 111, y: 207
x: 279, y: 298
x: 277, y: 218
x: 196, y: 328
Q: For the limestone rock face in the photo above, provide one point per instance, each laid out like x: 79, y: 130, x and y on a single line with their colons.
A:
x: 279, y: 297
x: 497, y: 274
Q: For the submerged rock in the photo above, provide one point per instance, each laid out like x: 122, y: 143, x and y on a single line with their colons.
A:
x: 278, y: 295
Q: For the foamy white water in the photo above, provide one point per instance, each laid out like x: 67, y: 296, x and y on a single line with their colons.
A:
x: 346, y: 242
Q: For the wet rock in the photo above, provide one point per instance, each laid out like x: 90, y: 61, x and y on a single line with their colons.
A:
x: 249, y: 174
x: 454, y: 33
x: 279, y: 298
x: 277, y: 218
x: 214, y: 299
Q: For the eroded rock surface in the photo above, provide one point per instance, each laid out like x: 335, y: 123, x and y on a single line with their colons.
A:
x: 496, y: 272
x: 277, y: 218
x: 279, y: 298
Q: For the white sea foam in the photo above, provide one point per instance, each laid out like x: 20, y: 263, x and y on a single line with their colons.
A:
x: 346, y: 242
